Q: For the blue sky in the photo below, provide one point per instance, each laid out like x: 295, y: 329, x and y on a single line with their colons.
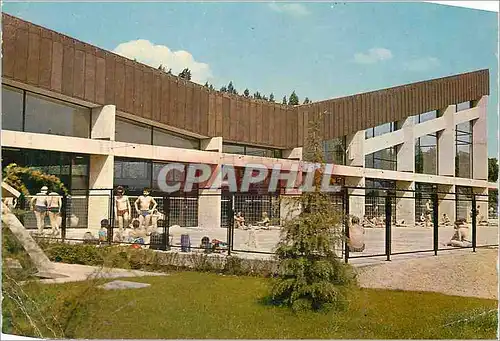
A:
x: 320, y: 50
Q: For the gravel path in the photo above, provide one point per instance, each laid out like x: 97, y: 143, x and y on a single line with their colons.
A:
x: 461, y: 273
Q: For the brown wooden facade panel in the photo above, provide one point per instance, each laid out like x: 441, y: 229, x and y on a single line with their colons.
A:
x: 55, y: 62
x: 67, y: 70
x: 226, y: 117
x: 204, y: 113
x: 165, y: 99
x: 252, y: 124
x: 259, y: 120
x: 129, y: 87
x: 219, y: 131
x: 57, y: 66
x: 100, y: 80
x: 79, y: 74
x: 89, y: 81
x: 156, y: 99
x: 148, y: 93
x: 109, y: 85
x: 8, y: 50
x: 21, y: 57
x: 120, y: 86
x: 173, y: 113
x: 33, y: 58
x: 212, y: 113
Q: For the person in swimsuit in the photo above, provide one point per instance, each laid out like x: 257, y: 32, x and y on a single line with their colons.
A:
x: 144, y: 209
x: 122, y: 209
x: 39, y: 205
x: 54, y: 204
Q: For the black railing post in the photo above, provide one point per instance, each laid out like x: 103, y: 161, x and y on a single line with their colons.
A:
x: 435, y: 220
x: 64, y: 217
x: 388, y: 219
x: 112, y: 220
x: 166, y: 224
x: 346, y: 224
x: 474, y: 223
x: 230, y: 227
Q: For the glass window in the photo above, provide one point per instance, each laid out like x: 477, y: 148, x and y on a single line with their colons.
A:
x: 259, y: 152
x: 50, y: 116
x: 134, y: 175
x: 334, y: 150
x: 233, y: 149
x: 463, y: 205
x: 167, y: 139
x: 464, y: 106
x: 381, y: 129
x: 72, y: 169
x: 383, y: 159
x: 12, y: 108
x: 133, y: 132
x: 375, y: 198
x: 463, y: 156
x: 80, y: 172
x: 427, y: 116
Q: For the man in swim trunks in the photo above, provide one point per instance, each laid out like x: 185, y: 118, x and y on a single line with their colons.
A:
x: 144, y: 209
x: 39, y: 205
x: 122, y: 209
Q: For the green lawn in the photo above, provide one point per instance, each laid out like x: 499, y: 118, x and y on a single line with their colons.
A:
x: 202, y: 305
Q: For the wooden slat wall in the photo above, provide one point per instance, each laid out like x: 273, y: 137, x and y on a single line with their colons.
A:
x: 51, y: 61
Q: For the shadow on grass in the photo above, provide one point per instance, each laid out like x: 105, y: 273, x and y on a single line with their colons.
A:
x: 268, y: 301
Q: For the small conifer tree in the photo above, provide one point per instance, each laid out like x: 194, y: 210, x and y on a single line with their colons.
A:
x: 311, y: 276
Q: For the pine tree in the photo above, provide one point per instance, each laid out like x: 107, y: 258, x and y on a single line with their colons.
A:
x: 206, y: 84
x: 264, y: 98
x: 231, y: 89
x: 307, y: 101
x: 310, y: 275
x: 211, y: 87
x: 257, y: 95
x: 246, y: 93
x: 294, y: 99
x: 223, y: 89
x: 169, y: 72
x: 271, y: 97
x: 161, y: 68
x: 284, y: 100
x: 186, y: 74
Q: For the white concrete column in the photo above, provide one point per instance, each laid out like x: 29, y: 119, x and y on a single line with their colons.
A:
x: 289, y: 203
x: 356, y: 196
x: 293, y: 154
x: 355, y: 149
x: 446, y: 202
x: 406, y: 151
x: 100, y: 184
x: 209, y: 200
x: 405, y: 202
x: 103, y: 123
x: 446, y: 144
x: 479, y: 142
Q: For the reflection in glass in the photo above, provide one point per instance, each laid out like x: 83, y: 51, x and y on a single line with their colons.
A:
x: 132, y: 174
x: 12, y: 108
x: 128, y: 131
x: 383, y: 159
x: 167, y: 139
x: 334, y: 151
x: 376, y: 192
x: 50, y: 116
x: 464, y: 106
x: 463, y: 156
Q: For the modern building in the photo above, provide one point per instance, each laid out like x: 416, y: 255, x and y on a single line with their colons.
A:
x: 98, y: 120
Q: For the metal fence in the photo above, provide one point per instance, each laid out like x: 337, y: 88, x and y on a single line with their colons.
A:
x: 395, y: 221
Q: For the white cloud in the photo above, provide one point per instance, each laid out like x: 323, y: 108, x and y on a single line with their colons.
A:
x: 374, y: 55
x: 154, y: 55
x: 294, y: 9
x: 422, y: 64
